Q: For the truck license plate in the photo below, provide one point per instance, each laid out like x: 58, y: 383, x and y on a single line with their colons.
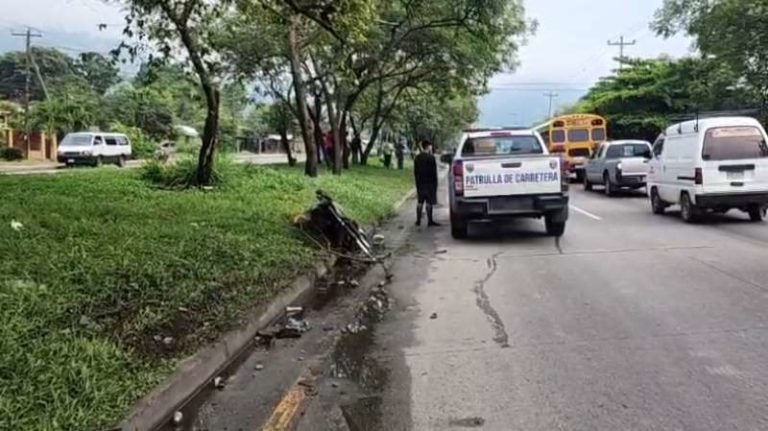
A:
x: 70, y: 160
x: 735, y: 175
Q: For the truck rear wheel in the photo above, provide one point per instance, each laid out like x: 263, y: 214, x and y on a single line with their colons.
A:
x: 554, y: 228
x: 458, y: 226
x: 756, y: 213
x: 688, y: 211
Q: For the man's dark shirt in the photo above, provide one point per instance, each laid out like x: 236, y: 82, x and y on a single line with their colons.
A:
x: 425, y: 169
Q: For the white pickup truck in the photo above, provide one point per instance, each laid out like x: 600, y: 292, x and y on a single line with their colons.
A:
x: 505, y: 173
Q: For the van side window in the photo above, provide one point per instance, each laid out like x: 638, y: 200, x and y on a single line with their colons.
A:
x: 111, y: 141
x: 658, y: 147
x: 122, y: 140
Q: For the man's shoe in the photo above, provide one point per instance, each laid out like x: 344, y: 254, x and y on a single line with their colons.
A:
x: 418, y: 222
x: 433, y: 223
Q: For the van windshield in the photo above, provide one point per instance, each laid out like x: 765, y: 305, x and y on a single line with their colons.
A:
x: 734, y: 143
x: 76, y: 141
x: 502, y: 145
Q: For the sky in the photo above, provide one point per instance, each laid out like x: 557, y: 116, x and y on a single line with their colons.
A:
x: 566, y: 55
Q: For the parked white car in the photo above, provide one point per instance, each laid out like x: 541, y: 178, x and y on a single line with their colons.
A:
x: 713, y: 164
x: 94, y: 148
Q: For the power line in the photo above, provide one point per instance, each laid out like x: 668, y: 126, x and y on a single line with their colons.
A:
x: 621, y: 44
x: 27, y: 35
x: 551, y: 95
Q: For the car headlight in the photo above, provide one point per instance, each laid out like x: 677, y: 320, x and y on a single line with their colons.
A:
x: 618, y: 166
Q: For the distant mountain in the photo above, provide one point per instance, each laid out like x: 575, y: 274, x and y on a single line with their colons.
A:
x: 523, y: 107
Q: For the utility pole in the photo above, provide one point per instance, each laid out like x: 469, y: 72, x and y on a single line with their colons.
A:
x: 28, y: 35
x: 621, y: 44
x: 551, y: 95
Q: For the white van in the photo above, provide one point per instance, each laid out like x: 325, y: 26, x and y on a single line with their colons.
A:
x: 712, y: 164
x: 94, y: 148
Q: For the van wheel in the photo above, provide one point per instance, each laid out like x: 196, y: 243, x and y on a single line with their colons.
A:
x: 609, y: 191
x: 756, y: 213
x: 458, y: 226
x: 587, y: 184
x: 554, y: 228
x: 688, y: 210
x: 121, y: 161
x: 580, y: 175
x: 657, y: 206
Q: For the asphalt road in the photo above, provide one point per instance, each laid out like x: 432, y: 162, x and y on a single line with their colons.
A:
x: 630, y: 322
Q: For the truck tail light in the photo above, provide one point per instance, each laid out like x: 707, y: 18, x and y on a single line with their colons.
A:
x: 565, y: 166
x: 698, y: 177
x: 458, y: 177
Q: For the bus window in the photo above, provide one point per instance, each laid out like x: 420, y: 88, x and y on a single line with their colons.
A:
x: 578, y: 135
x: 598, y: 135
x: 558, y: 136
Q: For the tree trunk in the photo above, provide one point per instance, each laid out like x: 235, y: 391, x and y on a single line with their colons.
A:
x: 310, y: 166
x: 317, y: 115
x: 287, y: 146
x: 343, y: 138
x: 205, y: 159
x: 377, y: 123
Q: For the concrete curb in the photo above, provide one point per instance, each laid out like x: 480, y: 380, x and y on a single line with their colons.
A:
x: 195, y: 372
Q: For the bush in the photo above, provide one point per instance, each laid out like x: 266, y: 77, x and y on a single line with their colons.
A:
x: 143, y: 147
x: 183, y: 173
x: 11, y: 154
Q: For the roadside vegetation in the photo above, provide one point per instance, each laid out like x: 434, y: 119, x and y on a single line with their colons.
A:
x: 106, y: 279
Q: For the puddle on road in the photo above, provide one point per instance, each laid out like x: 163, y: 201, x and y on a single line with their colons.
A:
x: 351, y: 360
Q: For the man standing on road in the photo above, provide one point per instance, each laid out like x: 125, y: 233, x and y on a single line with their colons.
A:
x: 425, y: 173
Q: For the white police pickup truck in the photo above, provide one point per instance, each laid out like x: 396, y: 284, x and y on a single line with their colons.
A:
x: 505, y: 173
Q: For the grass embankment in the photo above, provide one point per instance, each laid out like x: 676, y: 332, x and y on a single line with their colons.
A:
x: 106, y: 267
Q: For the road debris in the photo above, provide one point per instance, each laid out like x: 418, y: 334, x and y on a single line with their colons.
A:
x: 433, y: 316
x: 354, y: 284
x: 177, y: 418
x: 378, y: 240
x: 168, y: 341
x: 294, y: 310
x: 258, y: 367
x: 219, y: 382
x: 441, y: 251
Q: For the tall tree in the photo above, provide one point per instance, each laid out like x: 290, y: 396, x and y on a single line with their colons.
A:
x: 732, y: 31
x: 100, y: 71
x: 189, y: 25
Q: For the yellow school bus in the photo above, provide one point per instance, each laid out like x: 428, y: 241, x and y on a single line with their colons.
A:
x: 576, y: 136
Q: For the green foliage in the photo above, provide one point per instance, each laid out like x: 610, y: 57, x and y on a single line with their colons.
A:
x: 73, y: 107
x: 648, y: 94
x: 182, y: 173
x: 87, y: 283
x: 143, y: 147
x: 11, y: 154
x: 99, y: 71
x: 731, y: 31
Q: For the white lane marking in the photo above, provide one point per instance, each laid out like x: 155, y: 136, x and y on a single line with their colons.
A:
x: 585, y: 212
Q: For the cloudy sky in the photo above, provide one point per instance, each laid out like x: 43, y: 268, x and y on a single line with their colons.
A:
x: 566, y: 55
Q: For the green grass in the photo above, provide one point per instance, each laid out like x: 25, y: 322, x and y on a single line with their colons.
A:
x: 105, y: 263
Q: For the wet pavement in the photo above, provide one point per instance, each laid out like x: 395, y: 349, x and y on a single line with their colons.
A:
x: 629, y: 322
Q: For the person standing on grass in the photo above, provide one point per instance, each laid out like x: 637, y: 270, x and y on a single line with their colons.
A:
x: 387, y: 151
x: 425, y: 174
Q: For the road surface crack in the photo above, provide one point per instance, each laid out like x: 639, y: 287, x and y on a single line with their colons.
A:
x: 501, y: 337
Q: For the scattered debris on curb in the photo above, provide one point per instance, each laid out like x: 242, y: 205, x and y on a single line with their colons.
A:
x: 219, y: 382
x: 258, y: 367
x: 294, y: 310
x: 354, y: 284
x: 168, y: 341
x: 177, y: 418
x: 378, y: 240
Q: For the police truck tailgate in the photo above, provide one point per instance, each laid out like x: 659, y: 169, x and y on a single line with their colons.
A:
x: 511, y: 176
